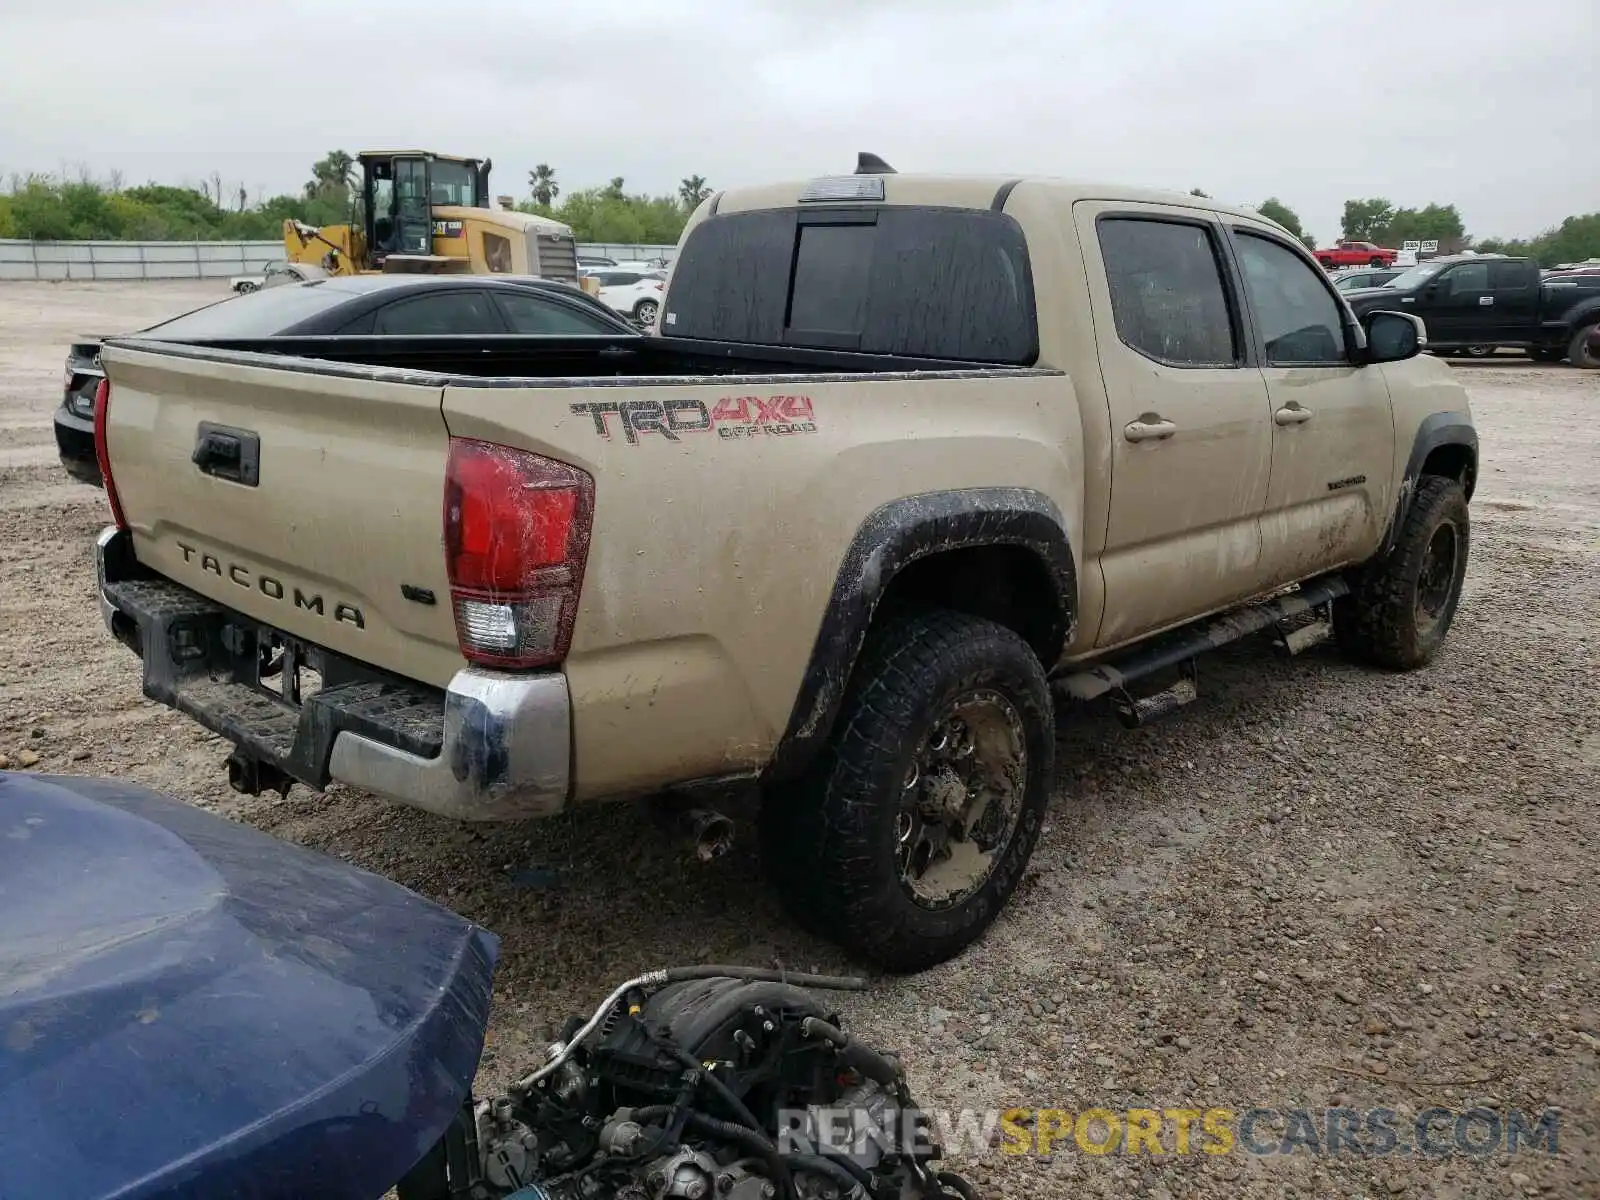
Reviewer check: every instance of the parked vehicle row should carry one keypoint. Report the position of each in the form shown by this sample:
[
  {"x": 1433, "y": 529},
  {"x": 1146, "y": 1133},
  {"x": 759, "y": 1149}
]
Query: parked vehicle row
[
  {"x": 910, "y": 461},
  {"x": 1474, "y": 303},
  {"x": 1358, "y": 277}
]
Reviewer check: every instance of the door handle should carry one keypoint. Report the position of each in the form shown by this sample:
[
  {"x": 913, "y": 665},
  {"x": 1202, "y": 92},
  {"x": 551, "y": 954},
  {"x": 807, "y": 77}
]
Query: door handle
[
  {"x": 1150, "y": 427},
  {"x": 1293, "y": 414}
]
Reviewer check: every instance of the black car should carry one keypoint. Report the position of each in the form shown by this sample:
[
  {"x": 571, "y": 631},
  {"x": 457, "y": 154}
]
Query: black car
[{"x": 370, "y": 305}]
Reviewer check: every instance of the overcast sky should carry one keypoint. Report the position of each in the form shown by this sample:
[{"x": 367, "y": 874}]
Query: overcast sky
[{"x": 1483, "y": 103}]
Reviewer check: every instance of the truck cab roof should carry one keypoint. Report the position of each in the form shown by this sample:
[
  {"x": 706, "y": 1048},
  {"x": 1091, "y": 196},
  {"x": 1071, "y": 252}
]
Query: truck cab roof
[{"x": 949, "y": 191}]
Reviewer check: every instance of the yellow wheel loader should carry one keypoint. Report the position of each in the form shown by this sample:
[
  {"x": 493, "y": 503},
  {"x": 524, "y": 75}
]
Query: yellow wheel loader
[{"x": 431, "y": 213}]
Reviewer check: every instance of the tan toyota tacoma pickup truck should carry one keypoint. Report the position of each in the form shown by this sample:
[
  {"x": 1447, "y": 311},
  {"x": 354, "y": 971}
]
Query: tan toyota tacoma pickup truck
[{"x": 909, "y": 463}]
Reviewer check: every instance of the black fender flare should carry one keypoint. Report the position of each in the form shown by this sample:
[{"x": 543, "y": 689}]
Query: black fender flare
[
  {"x": 891, "y": 538},
  {"x": 1435, "y": 431}
]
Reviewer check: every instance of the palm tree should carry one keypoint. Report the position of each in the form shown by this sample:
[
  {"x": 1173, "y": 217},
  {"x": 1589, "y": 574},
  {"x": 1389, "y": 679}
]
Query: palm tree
[
  {"x": 336, "y": 171},
  {"x": 542, "y": 182},
  {"x": 692, "y": 191}
]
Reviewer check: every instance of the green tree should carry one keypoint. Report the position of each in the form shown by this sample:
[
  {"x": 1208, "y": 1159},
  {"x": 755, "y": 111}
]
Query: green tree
[
  {"x": 335, "y": 172},
  {"x": 1366, "y": 220},
  {"x": 543, "y": 186},
  {"x": 1435, "y": 222},
  {"x": 692, "y": 191},
  {"x": 613, "y": 190},
  {"x": 1274, "y": 209}
]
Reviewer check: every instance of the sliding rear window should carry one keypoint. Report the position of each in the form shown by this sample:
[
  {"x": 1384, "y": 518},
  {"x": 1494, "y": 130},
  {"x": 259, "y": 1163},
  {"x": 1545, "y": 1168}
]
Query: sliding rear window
[{"x": 917, "y": 282}]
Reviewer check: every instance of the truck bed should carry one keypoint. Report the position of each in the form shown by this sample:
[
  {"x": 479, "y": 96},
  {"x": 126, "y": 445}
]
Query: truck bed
[{"x": 557, "y": 360}]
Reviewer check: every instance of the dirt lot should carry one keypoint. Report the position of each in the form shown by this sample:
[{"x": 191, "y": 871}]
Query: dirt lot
[{"x": 1316, "y": 886}]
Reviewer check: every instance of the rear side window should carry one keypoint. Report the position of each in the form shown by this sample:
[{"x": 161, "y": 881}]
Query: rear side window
[
  {"x": 1166, "y": 292},
  {"x": 1510, "y": 277},
  {"x": 439, "y": 314},
  {"x": 535, "y": 314},
  {"x": 915, "y": 282}
]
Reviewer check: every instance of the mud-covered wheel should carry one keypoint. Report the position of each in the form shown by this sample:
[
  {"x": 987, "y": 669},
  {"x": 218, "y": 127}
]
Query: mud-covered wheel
[
  {"x": 906, "y": 838},
  {"x": 1401, "y": 604},
  {"x": 1580, "y": 352}
]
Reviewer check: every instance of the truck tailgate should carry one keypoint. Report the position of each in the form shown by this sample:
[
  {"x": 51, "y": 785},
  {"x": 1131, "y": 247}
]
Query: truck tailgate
[{"x": 337, "y": 539}]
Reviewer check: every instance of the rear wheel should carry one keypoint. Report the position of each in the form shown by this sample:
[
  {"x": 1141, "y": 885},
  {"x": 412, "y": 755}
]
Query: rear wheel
[
  {"x": 1374, "y": 261},
  {"x": 1580, "y": 352},
  {"x": 1480, "y": 351},
  {"x": 244, "y": 289},
  {"x": 1401, "y": 604},
  {"x": 905, "y": 840},
  {"x": 645, "y": 311}
]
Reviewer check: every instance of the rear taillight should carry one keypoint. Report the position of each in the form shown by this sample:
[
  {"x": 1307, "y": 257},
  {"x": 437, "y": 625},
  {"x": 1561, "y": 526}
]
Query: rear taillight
[
  {"x": 102, "y": 450},
  {"x": 516, "y": 537}
]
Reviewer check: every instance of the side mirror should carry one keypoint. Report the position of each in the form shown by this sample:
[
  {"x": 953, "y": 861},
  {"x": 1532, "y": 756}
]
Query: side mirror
[{"x": 1393, "y": 336}]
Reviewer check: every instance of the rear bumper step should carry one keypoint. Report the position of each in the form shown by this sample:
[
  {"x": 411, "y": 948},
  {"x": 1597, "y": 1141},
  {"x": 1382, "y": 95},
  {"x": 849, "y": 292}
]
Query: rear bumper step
[{"x": 489, "y": 746}]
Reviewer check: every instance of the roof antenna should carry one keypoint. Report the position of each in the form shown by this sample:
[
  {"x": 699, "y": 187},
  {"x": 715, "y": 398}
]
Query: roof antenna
[{"x": 870, "y": 164}]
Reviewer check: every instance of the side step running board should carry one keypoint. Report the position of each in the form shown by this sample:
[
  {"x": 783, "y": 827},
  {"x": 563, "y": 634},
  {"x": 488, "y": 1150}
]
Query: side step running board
[{"x": 1181, "y": 647}]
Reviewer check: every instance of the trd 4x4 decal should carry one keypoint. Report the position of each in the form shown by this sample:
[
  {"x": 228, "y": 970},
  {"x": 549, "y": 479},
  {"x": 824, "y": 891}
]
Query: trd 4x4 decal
[{"x": 732, "y": 417}]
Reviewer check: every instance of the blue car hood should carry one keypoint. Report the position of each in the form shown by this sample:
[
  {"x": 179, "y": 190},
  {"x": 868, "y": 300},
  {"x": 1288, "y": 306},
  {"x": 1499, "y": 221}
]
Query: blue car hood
[{"x": 190, "y": 1008}]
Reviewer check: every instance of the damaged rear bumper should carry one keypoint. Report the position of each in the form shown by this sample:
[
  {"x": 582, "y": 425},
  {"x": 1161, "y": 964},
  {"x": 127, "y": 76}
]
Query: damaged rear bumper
[{"x": 489, "y": 746}]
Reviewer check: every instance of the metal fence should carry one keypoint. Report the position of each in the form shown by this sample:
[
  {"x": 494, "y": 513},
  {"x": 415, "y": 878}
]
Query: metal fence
[{"x": 187, "y": 260}]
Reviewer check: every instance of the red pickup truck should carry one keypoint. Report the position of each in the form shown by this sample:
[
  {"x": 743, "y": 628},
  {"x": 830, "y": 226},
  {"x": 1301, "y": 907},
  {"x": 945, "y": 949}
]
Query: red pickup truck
[{"x": 1355, "y": 254}]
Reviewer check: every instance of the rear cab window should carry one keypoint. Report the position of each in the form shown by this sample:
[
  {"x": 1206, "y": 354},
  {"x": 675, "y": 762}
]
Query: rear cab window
[{"x": 909, "y": 281}]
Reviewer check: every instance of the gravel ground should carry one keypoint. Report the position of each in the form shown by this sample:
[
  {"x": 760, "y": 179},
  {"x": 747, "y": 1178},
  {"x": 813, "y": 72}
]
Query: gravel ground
[{"x": 1317, "y": 886}]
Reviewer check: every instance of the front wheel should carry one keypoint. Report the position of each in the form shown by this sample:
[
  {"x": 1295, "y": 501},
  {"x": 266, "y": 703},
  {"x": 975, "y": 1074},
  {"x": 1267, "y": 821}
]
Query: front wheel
[
  {"x": 1375, "y": 261},
  {"x": 244, "y": 289},
  {"x": 1480, "y": 351},
  {"x": 645, "y": 311},
  {"x": 1582, "y": 352},
  {"x": 1401, "y": 604},
  {"x": 907, "y": 837}
]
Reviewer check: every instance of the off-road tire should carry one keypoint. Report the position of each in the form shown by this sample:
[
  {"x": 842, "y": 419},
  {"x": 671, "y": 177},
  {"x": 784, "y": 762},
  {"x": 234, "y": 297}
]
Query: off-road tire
[
  {"x": 828, "y": 838},
  {"x": 1379, "y": 621},
  {"x": 1578, "y": 352}
]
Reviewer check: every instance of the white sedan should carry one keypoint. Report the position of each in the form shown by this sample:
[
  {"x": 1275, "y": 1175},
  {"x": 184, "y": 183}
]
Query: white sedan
[
  {"x": 634, "y": 294},
  {"x": 276, "y": 274}
]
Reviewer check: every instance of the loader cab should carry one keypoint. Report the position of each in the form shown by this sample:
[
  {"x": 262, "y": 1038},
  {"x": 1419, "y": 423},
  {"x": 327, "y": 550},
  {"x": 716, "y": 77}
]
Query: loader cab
[{"x": 400, "y": 191}]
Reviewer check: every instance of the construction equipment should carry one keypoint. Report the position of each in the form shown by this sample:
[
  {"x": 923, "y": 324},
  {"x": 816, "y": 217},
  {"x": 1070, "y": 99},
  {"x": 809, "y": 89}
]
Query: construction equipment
[{"x": 431, "y": 213}]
